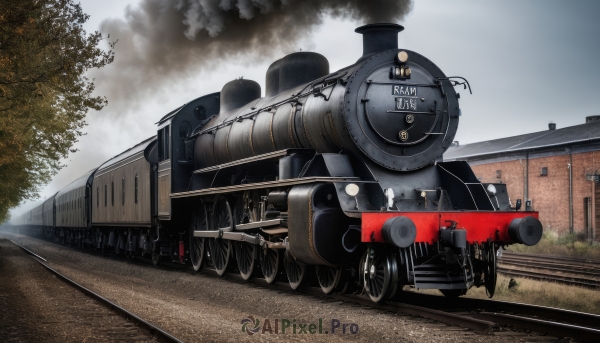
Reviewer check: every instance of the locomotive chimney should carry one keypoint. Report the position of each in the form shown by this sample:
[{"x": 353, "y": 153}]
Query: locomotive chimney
[{"x": 379, "y": 37}]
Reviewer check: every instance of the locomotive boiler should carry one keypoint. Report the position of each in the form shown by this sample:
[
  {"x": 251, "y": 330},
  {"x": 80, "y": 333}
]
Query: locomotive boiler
[{"x": 332, "y": 177}]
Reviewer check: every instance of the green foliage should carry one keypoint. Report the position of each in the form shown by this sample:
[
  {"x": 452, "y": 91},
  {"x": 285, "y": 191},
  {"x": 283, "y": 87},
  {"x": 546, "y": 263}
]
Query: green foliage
[{"x": 44, "y": 95}]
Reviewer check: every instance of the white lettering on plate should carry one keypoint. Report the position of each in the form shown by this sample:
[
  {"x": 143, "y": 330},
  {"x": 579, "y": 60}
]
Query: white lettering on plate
[
  {"x": 404, "y": 90},
  {"x": 406, "y": 104}
]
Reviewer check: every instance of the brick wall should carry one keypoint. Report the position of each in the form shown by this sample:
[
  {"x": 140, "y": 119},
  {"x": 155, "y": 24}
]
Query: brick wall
[{"x": 549, "y": 194}]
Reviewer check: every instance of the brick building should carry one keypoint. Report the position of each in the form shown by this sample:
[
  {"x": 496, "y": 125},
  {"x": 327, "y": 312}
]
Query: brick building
[{"x": 557, "y": 170}]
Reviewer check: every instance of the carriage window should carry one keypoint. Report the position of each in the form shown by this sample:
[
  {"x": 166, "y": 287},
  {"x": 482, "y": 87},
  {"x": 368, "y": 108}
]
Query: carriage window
[
  {"x": 167, "y": 142},
  {"x": 163, "y": 144},
  {"x": 97, "y": 196},
  {"x": 112, "y": 193},
  {"x": 105, "y": 195},
  {"x": 160, "y": 145},
  {"x": 136, "y": 188},
  {"x": 123, "y": 191}
]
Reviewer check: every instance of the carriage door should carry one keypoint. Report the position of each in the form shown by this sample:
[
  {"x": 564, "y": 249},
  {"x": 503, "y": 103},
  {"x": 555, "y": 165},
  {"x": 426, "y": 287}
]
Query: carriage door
[{"x": 164, "y": 172}]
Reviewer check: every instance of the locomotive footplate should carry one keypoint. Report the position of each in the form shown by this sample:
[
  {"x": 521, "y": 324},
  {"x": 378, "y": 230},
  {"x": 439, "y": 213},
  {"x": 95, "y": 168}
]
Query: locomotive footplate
[
  {"x": 450, "y": 251},
  {"x": 503, "y": 227}
]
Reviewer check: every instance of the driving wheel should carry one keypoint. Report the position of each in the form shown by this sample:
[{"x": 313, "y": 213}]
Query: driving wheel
[{"x": 220, "y": 249}]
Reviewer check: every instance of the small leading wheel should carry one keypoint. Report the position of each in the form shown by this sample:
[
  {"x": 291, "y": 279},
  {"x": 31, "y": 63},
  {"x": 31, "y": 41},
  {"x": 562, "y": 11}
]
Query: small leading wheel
[
  {"x": 246, "y": 257},
  {"x": 380, "y": 274},
  {"x": 220, "y": 249},
  {"x": 328, "y": 277},
  {"x": 295, "y": 272},
  {"x": 269, "y": 263},
  {"x": 197, "y": 244},
  {"x": 490, "y": 269}
]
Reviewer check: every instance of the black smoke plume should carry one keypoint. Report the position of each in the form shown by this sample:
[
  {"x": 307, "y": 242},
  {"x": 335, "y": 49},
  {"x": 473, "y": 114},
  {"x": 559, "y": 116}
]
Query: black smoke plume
[{"x": 161, "y": 39}]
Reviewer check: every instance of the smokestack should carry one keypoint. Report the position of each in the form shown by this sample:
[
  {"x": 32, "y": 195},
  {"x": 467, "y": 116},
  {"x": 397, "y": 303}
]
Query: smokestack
[
  {"x": 379, "y": 37},
  {"x": 551, "y": 126}
]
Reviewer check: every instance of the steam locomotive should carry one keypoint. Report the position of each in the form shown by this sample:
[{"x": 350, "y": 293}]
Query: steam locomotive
[{"x": 334, "y": 177}]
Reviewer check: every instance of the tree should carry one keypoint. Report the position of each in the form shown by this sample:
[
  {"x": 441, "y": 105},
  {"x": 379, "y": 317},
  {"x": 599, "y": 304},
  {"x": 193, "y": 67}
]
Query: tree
[{"x": 44, "y": 94}]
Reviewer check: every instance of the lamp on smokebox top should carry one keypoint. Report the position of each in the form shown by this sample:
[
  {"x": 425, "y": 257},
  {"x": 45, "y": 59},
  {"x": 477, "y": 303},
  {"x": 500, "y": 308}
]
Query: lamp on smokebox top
[{"x": 402, "y": 71}]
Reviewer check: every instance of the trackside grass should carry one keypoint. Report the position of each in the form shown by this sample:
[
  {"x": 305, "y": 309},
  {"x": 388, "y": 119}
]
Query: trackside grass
[{"x": 538, "y": 293}]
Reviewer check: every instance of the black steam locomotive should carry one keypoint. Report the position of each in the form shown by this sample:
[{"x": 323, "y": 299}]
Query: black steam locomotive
[{"x": 337, "y": 177}]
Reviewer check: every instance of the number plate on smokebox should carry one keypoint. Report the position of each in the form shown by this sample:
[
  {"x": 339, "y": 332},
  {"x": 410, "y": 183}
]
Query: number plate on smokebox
[{"x": 407, "y": 101}]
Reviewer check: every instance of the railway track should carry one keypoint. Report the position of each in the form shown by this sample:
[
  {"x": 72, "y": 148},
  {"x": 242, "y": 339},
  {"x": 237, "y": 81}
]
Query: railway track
[
  {"x": 484, "y": 316},
  {"x": 571, "y": 271},
  {"x": 153, "y": 330}
]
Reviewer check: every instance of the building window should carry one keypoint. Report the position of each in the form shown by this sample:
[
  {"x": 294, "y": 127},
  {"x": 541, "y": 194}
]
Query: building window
[
  {"x": 136, "y": 188},
  {"x": 123, "y": 191},
  {"x": 105, "y": 195},
  {"x": 544, "y": 171},
  {"x": 112, "y": 193},
  {"x": 498, "y": 174}
]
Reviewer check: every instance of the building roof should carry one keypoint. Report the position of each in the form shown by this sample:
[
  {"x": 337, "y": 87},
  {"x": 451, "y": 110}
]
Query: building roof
[{"x": 572, "y": 135}]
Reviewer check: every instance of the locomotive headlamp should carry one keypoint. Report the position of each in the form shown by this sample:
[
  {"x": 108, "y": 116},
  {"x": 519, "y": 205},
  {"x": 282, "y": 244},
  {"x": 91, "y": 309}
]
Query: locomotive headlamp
[
  {"x": 402, "y": 56},
  {"x": 351, "y": 189},
  {"x": 491, "y": 189}
]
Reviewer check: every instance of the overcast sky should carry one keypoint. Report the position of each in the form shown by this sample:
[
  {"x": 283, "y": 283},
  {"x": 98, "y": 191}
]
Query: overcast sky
[{"x": 528, "y": 62}]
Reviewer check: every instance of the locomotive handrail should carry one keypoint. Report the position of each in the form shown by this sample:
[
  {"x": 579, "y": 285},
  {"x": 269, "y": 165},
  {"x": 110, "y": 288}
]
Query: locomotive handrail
[
  {"x": 269, "y": 155},
  {"x": 256, "y": 185}
]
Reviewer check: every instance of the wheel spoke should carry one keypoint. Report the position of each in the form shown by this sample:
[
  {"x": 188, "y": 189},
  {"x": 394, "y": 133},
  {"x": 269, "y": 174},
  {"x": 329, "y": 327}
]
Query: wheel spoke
[{"x": 381, "y": 278}]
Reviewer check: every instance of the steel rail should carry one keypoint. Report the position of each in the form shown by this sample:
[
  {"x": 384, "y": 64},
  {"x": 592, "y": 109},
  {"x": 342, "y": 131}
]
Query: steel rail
[
  {"x": 573, "y": 281},
  {"x": 564, "y": 268},
  {"x": 560, "y": 322},
  {"x": 544, "y": 326},
  {"x": 571, "y": 265},
  {"x": 468, "y": 322},
  {"x": 551, "y": 258},
  {"x": 151, "y": 328},
  {"x": 579, "y": 325},
  {"x": 550, "y": 313}
]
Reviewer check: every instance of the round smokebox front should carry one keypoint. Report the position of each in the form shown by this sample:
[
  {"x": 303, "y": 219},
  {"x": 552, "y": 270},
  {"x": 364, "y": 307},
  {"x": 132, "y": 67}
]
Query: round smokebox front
[{"x": 400, "y": 110}]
